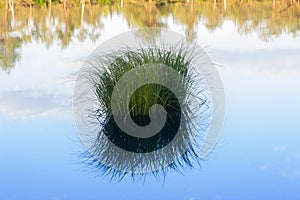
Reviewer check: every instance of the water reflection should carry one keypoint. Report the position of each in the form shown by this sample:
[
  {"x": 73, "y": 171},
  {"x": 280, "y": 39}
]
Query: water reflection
[{"x": 64, "y": 25}]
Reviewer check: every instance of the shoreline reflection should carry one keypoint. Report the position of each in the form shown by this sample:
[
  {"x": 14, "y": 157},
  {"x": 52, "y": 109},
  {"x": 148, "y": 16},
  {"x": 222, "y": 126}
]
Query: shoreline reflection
[{"x": 62, "y": 26}]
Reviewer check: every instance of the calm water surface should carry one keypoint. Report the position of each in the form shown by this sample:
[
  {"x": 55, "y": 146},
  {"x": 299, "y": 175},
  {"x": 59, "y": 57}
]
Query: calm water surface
[{"x": 256, "y": 47}]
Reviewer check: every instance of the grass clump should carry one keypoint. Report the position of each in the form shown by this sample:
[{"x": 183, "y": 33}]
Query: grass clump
[
  {"x": 104, "y": 74},
  {"x": 148, "y": 95}
]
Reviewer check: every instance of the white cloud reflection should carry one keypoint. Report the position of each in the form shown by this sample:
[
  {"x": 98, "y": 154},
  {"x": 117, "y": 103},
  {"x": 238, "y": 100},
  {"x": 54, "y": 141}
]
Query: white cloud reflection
[
  {"x": 264, "y": 167},
  {"x": 28, "y": 103}
]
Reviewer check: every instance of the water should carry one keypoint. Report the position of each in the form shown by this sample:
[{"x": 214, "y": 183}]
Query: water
[{"x": 257, "y": 51}]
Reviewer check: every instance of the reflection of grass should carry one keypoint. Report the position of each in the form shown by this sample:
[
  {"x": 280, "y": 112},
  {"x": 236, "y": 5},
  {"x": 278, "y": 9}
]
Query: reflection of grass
[{"x": 103, "y": 77}]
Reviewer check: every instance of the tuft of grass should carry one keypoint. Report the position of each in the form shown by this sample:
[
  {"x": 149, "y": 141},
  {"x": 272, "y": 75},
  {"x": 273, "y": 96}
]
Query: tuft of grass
[
  {"x": 103, "y": 76},
  {"x": 144, "y": 97}
]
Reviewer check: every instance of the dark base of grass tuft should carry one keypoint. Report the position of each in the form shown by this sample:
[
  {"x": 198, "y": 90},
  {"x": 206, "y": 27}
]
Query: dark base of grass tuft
[{"x": 144, "y": 145}]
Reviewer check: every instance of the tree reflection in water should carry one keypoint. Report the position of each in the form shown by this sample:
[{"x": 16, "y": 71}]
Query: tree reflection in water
[{"x": 63, "y": 25}]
